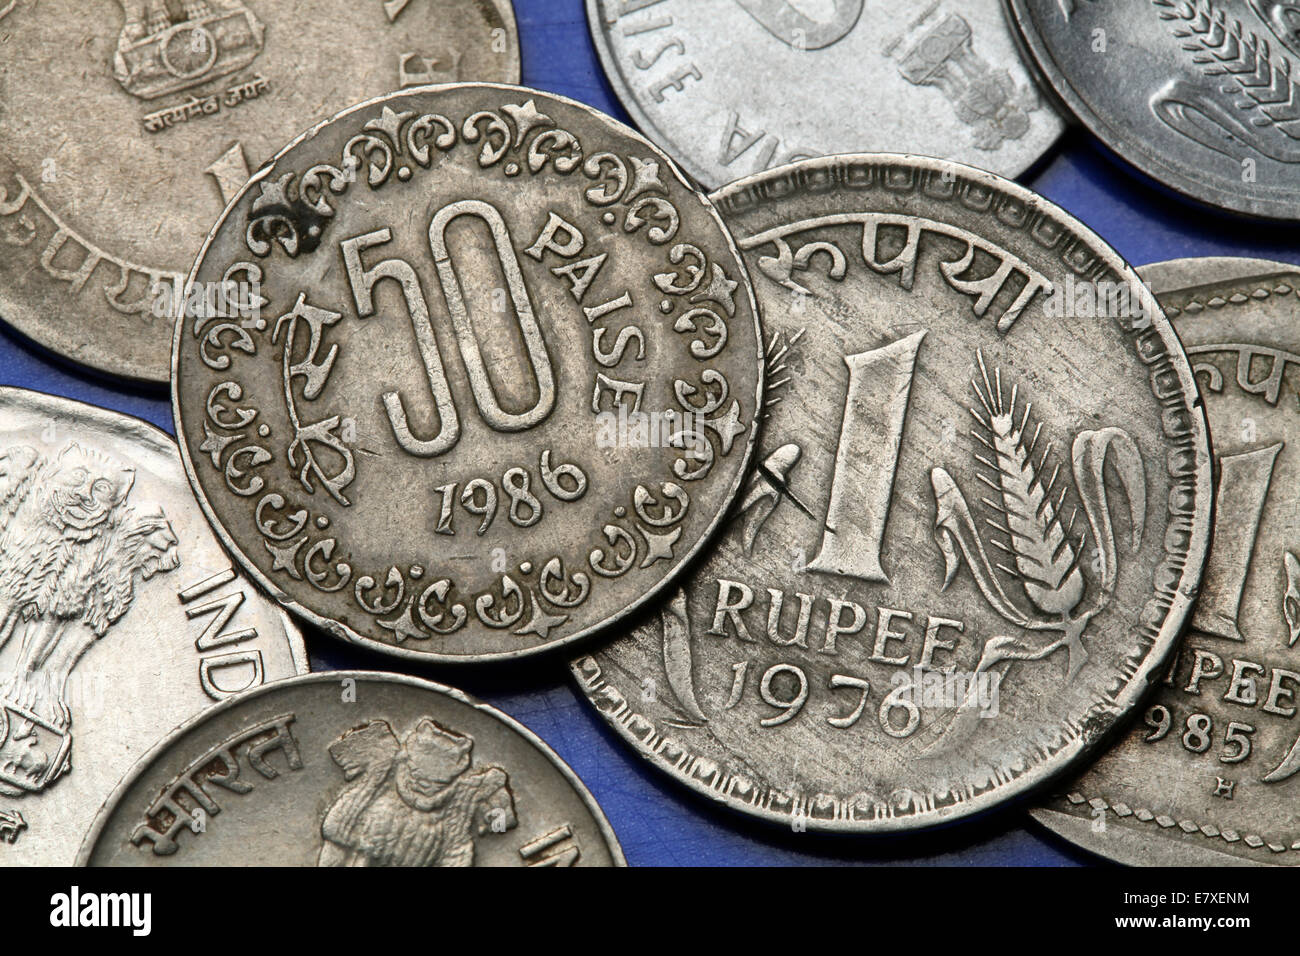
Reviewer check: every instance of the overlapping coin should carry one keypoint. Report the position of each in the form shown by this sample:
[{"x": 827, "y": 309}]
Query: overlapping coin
[
  {"x": 126, "y": 127},
  {"x": 468, "y": 372},
  {"x": 1201, "y": 95},
  {"x": 733, "y": 87},
  {"x": 979, "y": 515},
  {"x": 352, "y": 769},
  {"x": 1208, "y": 775},
  {"x": 120, "y": 615}
]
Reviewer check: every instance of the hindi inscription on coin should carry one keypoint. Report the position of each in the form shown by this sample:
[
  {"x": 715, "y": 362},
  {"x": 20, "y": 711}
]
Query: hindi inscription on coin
[
  {"x": 352, "y": 769},
  {"x": 120, "y": 615},
  {"x": 1209, "y": 773},
  {"x": 734, "y": 87},
  {"x": 126, "y": 126},
  {"x": 1201, "y": 95},
  {"x": 498, "y": 383},
  {"x": 977, "y": 520}
]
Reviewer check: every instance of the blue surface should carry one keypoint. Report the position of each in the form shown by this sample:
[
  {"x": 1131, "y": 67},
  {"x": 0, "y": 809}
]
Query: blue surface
[{"x": 658, "y": 822}]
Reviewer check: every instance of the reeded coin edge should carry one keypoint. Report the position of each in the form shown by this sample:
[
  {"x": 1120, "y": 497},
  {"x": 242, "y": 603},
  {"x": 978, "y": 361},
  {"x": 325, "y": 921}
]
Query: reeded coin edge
[
  {"x": 342, "y": 631},
  {"x": 329, "y": 677},
  {"x": 1043, "y": 220}
]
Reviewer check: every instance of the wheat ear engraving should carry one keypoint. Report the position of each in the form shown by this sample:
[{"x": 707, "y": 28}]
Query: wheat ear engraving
[
  {"x": 1268, "y": 91},
  {"x": 1041, "y": 556}
]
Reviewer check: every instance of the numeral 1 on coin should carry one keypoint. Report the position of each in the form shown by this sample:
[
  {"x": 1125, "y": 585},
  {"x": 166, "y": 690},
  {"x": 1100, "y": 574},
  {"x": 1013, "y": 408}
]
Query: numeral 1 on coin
[
  {"x": 1243, "y": 485},
  {"x": 867, "y": 461}
]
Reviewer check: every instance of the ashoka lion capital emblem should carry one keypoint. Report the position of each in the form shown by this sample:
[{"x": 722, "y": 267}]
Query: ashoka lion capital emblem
[
  {"x": 987, "y": 99},
  {"x": 71, "y": 555},
  {"x": 1039, "y": 549},
  {"x": 170, "y": 45},
  {"x": 417, "y": 801}
]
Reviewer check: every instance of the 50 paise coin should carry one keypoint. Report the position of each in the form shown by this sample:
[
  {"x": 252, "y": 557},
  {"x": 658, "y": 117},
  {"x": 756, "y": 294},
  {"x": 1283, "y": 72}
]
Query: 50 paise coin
[{"x": 468, "y": 372}]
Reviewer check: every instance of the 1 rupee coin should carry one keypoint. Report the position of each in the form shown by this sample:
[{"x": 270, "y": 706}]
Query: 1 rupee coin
[
  {"x": 1208, "y": 776},
  {"x": 979, "y": 513}
]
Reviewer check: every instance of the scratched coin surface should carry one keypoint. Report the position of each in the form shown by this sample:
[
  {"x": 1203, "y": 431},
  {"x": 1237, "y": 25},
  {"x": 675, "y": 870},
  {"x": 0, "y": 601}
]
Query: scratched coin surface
[
  {"x": 126, "y": 126},
  {"x": 733, "y": 87},
  {"x": 1201, "y": 95},
  {"x": 978, "y": 516},
  {"x": 352, "y": 769},
  {"x": 1208, "y": 773},
  {"x": 120, "y": 615},
  {"x": 487, "y": 378}
]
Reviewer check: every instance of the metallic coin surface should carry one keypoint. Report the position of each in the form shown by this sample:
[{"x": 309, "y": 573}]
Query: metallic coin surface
[
  {"x": 352, "y": 769},
  {"x": 1208, "y": 774},
  {"x": 120, "y": 615},
  {"x": 126, "y": 126},
  {"x": 733, "y": 87},
  {"x": 1201, "y": 95},
  {"x": 499, "y": 381},
  {"x": 978, "y": 516}
]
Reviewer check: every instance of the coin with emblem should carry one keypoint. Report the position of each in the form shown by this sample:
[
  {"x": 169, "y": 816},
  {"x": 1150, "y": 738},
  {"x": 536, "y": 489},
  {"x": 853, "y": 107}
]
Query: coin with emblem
[
  {"x": 352, "y": 769},
  {"x": 979, "y": 513},
  {"x": 125, "y": 130},
  {"x": 120, "y": 615},
  {"x": 1200, "y": 95},
  {"x": 1207, "y": 775},
  {"x": 733, "y": 87},
  {"x": 486, "y": 378}
]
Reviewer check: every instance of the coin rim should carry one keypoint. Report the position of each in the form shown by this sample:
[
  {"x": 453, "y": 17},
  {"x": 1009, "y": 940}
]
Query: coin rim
[
  {"x": 1131, "y": 151},
  {"x": 1138, "y": 848},
  {"x": 1077, "y": 750},
  {"x": 145, "y": 763},
  {"x": 342, "y": 631},
  {"x": 628, "y": 100},
  {"x": 112, "y": 366}
]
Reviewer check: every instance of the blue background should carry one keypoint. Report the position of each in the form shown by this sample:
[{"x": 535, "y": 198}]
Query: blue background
[{"x": 658, "y": 822}]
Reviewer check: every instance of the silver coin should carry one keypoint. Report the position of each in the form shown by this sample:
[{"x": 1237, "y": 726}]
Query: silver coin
[
  {"x": 733, "y": 87},
  {"x": 1209, "y": 774},
  {"x": 1201, "y": 95},
  {"x": 126, "y": 127},
  {"x": 497, "y": 385},
  {"x": 975, "y": 527},
  {"x": 352, "y": 769},
  {"x": 120, "y": 615}
]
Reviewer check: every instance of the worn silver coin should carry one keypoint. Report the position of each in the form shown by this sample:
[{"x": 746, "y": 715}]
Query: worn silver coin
[
  {"x": 497, "y": 382},
  {"x": 120, "y": 615},
  {"x": 977, "y": 522},
  {"x": 1208, "y": 775},
  {"x": 1201, "y": 95},
  {"x": 352, "y": 769},
  {"x": 126, "y": 126},
  {"x": 733, "y": 87}
]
